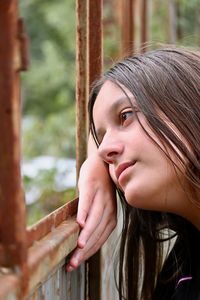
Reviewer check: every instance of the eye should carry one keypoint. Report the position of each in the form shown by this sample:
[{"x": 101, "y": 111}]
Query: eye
[{"x": 125, "y": 116}]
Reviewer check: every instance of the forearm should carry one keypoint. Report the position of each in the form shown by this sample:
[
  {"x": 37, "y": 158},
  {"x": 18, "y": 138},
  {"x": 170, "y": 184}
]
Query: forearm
[{"x": 97, "y": 206}]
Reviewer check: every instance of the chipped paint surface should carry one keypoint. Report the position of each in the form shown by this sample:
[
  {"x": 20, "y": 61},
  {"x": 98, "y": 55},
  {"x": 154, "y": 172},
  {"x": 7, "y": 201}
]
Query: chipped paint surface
[
  {"x": 51, "y": 221},
  {"x": 12, "y": 229},
  {"x": 61, "y": 285},
  {"x": 81, "y": 83},
  {"x": 45, "y": 256},
  {"x": 47, "y": 253},
  {"x": 127, "y": 23},
  {"x": 95, "y": 51},
  {"x": 95, "y": 62}
]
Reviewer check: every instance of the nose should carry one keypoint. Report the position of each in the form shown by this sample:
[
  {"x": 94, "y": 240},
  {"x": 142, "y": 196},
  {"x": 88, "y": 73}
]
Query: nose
[{"x": 110, "y": 148}]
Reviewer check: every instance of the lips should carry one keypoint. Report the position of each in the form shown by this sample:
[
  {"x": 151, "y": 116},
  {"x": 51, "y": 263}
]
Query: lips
[{"x": 122, "y": 167}]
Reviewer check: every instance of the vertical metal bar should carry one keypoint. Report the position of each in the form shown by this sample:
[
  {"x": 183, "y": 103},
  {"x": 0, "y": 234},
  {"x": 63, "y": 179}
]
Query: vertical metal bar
[
  {"x": 12, "y": 204},
  {"x": 179, "y": 27},
  {"x": 81, "y": 82},
  {"x": 12, "y": 226},
  {"x": 172, "y": 19},
  {"x": 198, "y": 25},
  {"x": 144, "y": 24},
  {"x": 95, "y": 68},
  {"x": 95, "y": 56},
  {"x": 81, "y": 99},
  {"x": 127, "y": 27}
]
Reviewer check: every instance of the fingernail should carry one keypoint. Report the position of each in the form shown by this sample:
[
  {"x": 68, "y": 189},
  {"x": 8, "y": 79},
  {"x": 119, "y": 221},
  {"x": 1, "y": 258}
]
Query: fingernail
[
  {"x": 81, "y": 222},
  {"x": 69, "y": 269},
  {"x": 81, "y": 243},
  {"x": 74, "y": 262}
]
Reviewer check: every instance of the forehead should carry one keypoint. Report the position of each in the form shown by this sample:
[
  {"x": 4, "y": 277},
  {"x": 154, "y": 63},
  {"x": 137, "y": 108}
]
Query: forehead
[{"x": 110, "y": 96}]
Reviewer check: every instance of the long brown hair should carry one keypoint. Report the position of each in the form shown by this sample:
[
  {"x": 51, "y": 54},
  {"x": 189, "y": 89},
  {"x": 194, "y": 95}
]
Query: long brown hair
[{"x": 167, "y": 81}]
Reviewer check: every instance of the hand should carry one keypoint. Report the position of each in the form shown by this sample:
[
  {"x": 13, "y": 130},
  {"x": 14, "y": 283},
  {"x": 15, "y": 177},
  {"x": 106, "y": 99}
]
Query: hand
[{"x": 97, "y": 209}]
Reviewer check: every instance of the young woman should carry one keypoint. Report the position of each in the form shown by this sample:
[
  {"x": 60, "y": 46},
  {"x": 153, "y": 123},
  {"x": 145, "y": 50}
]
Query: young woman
[{"x": 145, "y": 121}]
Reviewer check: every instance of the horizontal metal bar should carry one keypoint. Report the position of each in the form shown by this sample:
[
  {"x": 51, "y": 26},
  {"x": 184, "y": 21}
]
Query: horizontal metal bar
[
  {"x": 48, "y": 223},
  {"x": 47, "y": 253},
  {"x": 45, "y": 225},
  {"x": 43, "y": 257}
]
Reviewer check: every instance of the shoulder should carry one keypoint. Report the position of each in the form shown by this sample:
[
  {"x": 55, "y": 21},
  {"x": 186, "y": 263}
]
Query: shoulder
[
  {"x": 188, "y": 288},
  {"x": 185, "y": 288},
  {"x": 188, "y": 283},
  {"x": 180, "y": 276}
]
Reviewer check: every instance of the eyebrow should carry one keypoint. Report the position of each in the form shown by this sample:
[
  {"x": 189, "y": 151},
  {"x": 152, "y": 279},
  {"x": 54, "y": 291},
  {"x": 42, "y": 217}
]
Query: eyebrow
[{"x": 120, "y": 101}]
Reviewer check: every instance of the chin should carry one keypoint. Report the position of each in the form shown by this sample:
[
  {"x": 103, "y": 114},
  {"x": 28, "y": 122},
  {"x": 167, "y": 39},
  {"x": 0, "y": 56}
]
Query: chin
[
  {"x": 134, "y": 200},
  {"x": 142, "y": 202}
]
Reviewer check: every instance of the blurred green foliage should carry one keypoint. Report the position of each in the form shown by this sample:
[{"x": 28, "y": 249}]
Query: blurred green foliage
[
  {"x": 48, "y": 88},
  {"x": 187, "y": 22},
  {"x": 48, "y": 95},
  {"x": 48, "y": 202}
]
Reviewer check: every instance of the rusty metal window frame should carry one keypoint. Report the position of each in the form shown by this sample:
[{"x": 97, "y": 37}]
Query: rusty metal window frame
[{"x": 24, "y": 252}]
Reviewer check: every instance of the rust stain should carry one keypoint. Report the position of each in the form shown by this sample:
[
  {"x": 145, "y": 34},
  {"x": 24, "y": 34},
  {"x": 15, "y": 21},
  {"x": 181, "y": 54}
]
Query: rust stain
[
  {"x": 43, "y": 257},
  {"x": 23, "y": 46},
  {"x": 127, "y": 26},
  {"x": 48, "y": 223},
  {"x": 95, "y": 69},
  {"x": 143, "y": 24},
  {"x": 95, "y": 40},
  {"x": 45, "y": 254},
  {"x": 81, "y": 83},
  {"x": 12, "y": 228}
]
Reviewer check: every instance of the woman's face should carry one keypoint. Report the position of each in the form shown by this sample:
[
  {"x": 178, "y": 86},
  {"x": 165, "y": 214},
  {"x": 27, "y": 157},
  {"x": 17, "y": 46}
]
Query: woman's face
[{"x": 136, "y": 164}]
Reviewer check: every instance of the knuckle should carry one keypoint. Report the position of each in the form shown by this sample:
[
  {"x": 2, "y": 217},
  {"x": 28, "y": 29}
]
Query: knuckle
[
  {"x": 87, "y": 232},
  {"x": 98, "y": 237},
  {"x": 112, "y": 213},
  {"x": 113, "y": 224},
  {"x": 96, "y": 247}
]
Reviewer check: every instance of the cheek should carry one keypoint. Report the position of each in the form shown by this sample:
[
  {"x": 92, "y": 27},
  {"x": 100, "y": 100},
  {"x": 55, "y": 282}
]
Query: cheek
[{"x": 112, "y": 173}]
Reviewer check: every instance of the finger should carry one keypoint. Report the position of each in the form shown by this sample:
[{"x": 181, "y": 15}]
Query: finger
[
  {"x": 81, "y": 255},
  {"x": 99, "y": 242},
  {"x": 94, "y": 218},
  {"x": 99, "y": 208},
  {"x": 96, "y": 240},
  {"x": 85, "y": 201},
  {"x": 102, "y": 232},
  {"x": 73, "y": 262}
]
